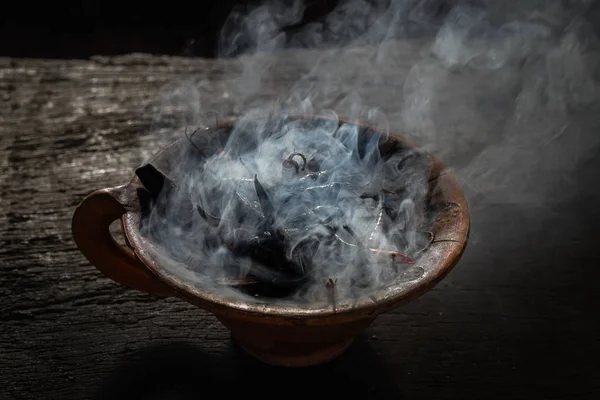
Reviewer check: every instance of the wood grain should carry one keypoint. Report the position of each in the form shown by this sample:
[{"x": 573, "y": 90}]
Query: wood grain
[{"x": 514, "y": 319}]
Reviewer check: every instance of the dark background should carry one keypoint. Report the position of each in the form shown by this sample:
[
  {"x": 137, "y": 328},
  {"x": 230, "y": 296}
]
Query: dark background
[{"x": 80, "y": 29}]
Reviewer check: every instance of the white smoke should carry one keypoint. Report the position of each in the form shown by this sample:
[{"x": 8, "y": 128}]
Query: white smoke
[{"x": 505, "y": 93}]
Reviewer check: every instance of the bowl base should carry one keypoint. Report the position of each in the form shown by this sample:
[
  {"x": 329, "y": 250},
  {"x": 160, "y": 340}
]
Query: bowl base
[{"x": 303, "y": 357}]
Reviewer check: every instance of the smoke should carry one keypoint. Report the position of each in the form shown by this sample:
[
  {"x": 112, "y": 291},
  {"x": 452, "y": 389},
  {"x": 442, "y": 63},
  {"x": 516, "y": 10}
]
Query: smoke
[
  {"x": 505, "y": 93},
  {"x": 279, "y": 198}
]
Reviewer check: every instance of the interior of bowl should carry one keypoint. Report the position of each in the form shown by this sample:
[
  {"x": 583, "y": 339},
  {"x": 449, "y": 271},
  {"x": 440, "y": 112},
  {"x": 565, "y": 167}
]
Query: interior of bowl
[{"x": 450, "y": 231}]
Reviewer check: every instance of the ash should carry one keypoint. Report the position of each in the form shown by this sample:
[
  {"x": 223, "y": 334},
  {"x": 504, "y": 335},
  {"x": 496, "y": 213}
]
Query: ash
[{"x": 291, "y": 208}]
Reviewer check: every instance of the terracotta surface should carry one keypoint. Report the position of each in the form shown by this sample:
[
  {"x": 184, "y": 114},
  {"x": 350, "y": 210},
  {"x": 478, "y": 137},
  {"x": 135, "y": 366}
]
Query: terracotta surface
[{"x": 283, "y": 334}]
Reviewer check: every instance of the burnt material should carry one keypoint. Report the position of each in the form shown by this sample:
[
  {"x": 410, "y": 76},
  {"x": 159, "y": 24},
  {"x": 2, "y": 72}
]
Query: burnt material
[
  {"x": 280, "y": 265},
  {"x": 152, "y": 179},
  {"x": 272, "y": 273}
]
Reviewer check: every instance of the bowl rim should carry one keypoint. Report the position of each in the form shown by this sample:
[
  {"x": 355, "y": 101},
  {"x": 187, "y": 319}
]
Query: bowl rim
[{"x": 446, "y": 255}]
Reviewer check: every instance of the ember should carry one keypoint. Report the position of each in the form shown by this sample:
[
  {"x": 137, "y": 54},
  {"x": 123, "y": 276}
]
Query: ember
[{"x": 287, "y": 207}]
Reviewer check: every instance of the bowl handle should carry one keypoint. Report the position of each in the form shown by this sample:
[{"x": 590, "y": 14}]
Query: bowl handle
[{"x": 90, "y": 226}]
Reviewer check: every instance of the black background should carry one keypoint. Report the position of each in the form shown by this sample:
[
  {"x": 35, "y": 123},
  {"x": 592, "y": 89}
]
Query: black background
[{"x": 80, "y": 29}]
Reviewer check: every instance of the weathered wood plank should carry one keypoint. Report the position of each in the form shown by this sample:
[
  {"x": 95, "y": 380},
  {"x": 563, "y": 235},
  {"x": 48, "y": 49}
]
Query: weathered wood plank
[{"x": 512, "y": 321}]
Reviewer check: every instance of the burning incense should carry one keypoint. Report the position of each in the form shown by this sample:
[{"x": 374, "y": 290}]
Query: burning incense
[{"x": 345, "y": 214}]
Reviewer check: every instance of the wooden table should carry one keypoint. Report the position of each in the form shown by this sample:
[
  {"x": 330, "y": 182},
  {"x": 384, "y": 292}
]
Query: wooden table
[{"x": 515, "y": 319}]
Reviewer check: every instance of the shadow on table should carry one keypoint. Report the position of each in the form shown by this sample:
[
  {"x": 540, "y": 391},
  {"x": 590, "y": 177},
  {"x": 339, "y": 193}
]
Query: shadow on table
[{"x": 181, "y": 371}]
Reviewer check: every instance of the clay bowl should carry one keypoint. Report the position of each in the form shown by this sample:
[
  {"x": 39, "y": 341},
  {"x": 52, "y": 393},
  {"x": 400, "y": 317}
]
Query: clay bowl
[{"x": 282, "y": 334}]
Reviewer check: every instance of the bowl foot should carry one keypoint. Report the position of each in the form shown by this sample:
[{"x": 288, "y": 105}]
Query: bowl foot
[{"x": 294, "y": 356}]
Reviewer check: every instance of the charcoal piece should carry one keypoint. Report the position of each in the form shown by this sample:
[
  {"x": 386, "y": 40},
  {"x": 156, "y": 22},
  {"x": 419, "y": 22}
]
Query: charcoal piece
[
  {"x": 158, "y": 184},
  {"x": 212, "y": 220},
  {"x": 391, "y": 211},
  {"x": 388, "y": 148},
  {"x": 268, "y": 211},
  {"x": 146, "y": 200},
  {"x": 313, "y": 165},
  {"x": 302, "y": 256},
  {"x": 276, "y": 278},
  {"x": 361, "y": 277},
  {"x": 271, "y": 268},
  {"x": 265, "y": 250},
  {"x": 264, "y": 200},
  {"x": 203, "y": 141},
  {"x": 266, "y": 284},
  {"x": 207, "y": 141},
  {"x": 201, "y": 212},
  {"x": 372, "y": 196},
  {"x": 272, "y": 290},
  {"x": 246, "y": 207},
  {"x": 153, "y": 180}
]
